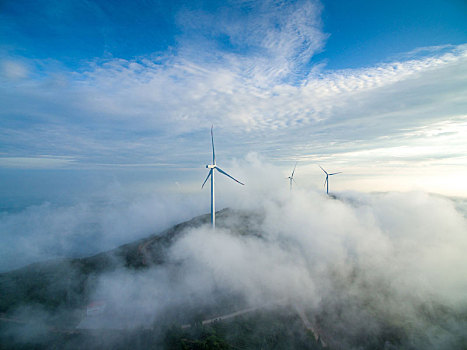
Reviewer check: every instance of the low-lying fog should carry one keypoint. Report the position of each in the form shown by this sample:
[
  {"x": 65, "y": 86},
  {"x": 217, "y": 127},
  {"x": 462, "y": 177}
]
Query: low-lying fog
[{"x": 361, "y": 261}]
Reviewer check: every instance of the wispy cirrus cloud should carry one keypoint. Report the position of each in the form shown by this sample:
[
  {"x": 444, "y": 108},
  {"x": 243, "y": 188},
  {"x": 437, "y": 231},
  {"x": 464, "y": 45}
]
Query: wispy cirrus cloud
[
  {"x": 40, "y": 162},
  {"x": 250, "y": 72},
  {"x": 182, "y": 96}
]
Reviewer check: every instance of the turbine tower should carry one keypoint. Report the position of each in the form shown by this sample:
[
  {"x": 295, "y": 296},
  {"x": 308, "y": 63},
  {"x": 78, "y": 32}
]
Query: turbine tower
[
  {"x": 326, "y": 182},
  {"x": 211, "y": 168},
  {"x": 291, "y": 179}
]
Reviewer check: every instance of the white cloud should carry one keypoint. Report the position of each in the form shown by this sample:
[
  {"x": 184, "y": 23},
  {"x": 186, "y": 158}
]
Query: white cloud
[
  {"x": 376, "y": 258},
  {"x": 184, "y": 94},
  {"x": 13, "y": 69},
  {"x": 91, "y": 223},
  {"x": 156, "y": 108},
  {"x": 43, "y": 162}
]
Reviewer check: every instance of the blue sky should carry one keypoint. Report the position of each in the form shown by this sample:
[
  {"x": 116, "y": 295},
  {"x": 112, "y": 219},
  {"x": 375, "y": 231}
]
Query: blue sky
[
  {"x": 98, "y": 92},
  {"x": 361, "y": 32},
  {"x": 364, "y": 33}
]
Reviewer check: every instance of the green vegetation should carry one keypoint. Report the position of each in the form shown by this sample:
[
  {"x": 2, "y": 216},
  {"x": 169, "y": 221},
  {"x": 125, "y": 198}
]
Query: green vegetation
[{"x": 275, "y": 330}]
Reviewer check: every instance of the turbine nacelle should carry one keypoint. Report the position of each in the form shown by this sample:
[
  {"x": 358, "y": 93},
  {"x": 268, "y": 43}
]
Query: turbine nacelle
[{"x": 211, "y": 166}]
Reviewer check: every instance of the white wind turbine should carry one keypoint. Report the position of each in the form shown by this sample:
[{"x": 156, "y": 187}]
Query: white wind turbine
[
  {"x": 291, "y": 179},
  {"x": 213, "y": 167},
  {"x": 326, "y": 182}
]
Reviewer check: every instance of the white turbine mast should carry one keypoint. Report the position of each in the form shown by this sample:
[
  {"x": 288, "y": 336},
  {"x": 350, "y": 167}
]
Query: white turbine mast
[
  {"x": 291, "y": 179},
  {"x": 211, "y": 168},
  {"x": 326, "y": 182}
]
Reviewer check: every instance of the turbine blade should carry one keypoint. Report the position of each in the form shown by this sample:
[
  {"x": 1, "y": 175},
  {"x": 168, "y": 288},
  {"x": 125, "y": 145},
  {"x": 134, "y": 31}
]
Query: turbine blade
[
  {"x": 293, "y": 172},
  {"x": 209, "y": 174},
  {"x": 223, "y": 172},
  {"x": 340, "y": 172},
  {"x": 323, "y": 169},
  {"x": 294, "y": 180},
  {"x": 212, "y": 141}
]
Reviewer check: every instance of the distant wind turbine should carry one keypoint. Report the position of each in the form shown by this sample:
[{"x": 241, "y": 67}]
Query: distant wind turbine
[
  {"x": 213, "y": 167},
  {"x": 291, "y": 179},
  {"x": 326, "y": 182}
]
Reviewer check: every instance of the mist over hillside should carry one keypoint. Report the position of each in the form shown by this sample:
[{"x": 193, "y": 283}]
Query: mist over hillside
[
  {"x": 87, "y": 226},
  {"x": 367, "y": 271}
]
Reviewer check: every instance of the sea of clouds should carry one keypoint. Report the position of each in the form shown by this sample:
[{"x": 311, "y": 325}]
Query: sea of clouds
[
  {"x": 359, "y": 263},
  {"x": 356, "y": 264}
]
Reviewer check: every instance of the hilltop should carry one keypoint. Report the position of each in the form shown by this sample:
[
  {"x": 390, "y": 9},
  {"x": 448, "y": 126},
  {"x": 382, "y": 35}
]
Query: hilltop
[
  {"x": 67, "y": 282},
  {"x": 43, "y": 305}
]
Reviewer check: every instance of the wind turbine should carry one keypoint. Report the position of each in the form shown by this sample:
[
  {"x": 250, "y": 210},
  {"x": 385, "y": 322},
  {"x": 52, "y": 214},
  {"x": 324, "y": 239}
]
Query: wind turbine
[
  {"x": 291, "y": 179},
  {"x": 213, "y": 167},
  {"x": 326, "y": 182}
]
